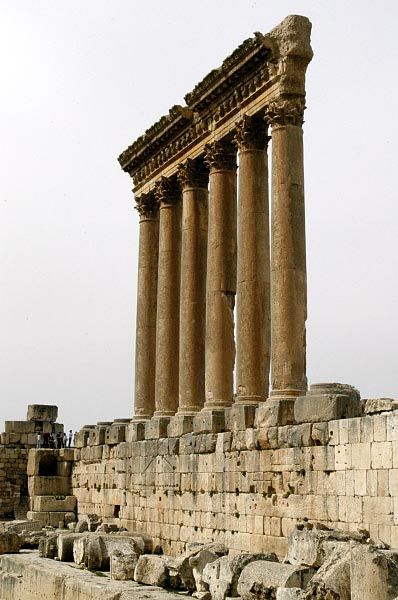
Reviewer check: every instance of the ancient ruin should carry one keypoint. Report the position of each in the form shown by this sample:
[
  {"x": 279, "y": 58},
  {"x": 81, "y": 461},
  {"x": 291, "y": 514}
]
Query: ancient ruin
[{"x": 219, "y": 484}]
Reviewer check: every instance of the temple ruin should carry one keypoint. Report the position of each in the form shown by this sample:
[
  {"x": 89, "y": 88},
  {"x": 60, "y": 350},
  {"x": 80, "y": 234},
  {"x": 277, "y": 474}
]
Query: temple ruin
[{"x": 230, "y": 478}]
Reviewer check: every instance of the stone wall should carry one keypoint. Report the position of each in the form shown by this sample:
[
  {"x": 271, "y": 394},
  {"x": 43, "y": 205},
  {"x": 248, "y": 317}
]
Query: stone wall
[
  {"x": 16, "y": 440},
  {"x": 247, "y": 488}
]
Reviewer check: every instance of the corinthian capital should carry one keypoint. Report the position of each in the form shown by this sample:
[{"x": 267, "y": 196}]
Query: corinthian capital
[
  {"x": 193, "y": 173},
  {"x": 147, "y": 206},
  {"x": 221, "y": 155},
  {"x": 251, "y": 134},
  {"x": 286, "y": 111},
  {"x": 167, "y": 190}
]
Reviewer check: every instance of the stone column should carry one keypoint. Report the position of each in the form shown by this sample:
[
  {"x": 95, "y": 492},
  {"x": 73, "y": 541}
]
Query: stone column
[
  {"x": 288, "y": 255},
  {"x": 193, "y": 178},
  {"x": 168, "y": 304},
  {"x": 253, "y": 327},
  {"x": 145, "y": 341},
  {"x": 221, "y": 276}
]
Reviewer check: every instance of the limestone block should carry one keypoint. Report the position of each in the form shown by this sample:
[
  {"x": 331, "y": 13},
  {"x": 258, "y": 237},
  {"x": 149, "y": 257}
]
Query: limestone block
[
  {"x": 81, "y": 527},
  {"x": 180, "y": 425},
  {"x": 240, "y": 417},
  {"x": 275, "y": 412},
  {"x": 19, "y": 427},
  {"x": 222, "y": 575},
  {"x": 49, "y": 486},
  {"x": 123, "y": 565},
  {"x": 151, "y": 570},
  {"x": 48, "y": 546},
  {"x": 10, "y": 542},
  {"x": 97, "y": 435},
  {"x": 135, "y": 432},
  {"x": 333, "y": 578},
  {"x": 156, "y": 428},
  {"x": 42, "y": 517},
  {"x": 374, "y": 573},
  {"x": 95, "y": 550},
  {"x": 64, "y": 468},
  {"x": 54, "y": 503},
  {"x": 42, "y": 412},
  {"x": 312, "y": 409},
  {"x": 290, "y": 594},
  {"x": 378, "y": 405},
  {"x": 262, "y": 577},
  {"x": 209, "y": 421},
  {"x": 65, "y": 546},
  {"x": 198, "y": 563},
  {"x": 311, "y": 547}
]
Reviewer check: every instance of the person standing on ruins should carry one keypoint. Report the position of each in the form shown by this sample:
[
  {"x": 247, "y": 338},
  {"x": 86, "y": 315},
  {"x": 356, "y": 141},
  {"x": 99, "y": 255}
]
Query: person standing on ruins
[{"x": 70, "y": 438}]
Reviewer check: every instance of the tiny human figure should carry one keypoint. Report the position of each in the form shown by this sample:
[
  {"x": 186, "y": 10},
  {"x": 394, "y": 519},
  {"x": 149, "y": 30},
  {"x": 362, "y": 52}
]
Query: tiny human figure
[
  {"x": 70, "y": 438},
  {"x": 46, "y": 440},
  {"x": 39, "y": 441},
  {"x": 52, "y": 440},
  {"x": 58, "y": 440}
]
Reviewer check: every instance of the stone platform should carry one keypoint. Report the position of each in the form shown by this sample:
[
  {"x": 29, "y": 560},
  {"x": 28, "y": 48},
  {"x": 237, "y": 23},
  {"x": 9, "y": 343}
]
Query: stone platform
[{"x": 25, "y": 576}]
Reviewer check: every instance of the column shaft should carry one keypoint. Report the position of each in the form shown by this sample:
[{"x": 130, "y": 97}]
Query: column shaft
[
  {"x": 253, "y": 327},
  {"x": 194, "y": 179},
  {"x": 221, "y": 276},
  {"x": 288, "y": 255},
  {"x": 145, "y": 343},
  {"x": 167, "y": 322}
]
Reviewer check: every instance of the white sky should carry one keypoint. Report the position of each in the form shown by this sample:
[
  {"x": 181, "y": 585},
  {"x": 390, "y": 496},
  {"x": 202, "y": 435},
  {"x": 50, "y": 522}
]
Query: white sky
[{"x": 80, "y": 80}]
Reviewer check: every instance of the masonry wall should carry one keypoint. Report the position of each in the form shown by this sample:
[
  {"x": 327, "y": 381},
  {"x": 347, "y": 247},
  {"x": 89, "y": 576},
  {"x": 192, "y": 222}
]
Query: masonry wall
[{"x": 247, "y": 488}]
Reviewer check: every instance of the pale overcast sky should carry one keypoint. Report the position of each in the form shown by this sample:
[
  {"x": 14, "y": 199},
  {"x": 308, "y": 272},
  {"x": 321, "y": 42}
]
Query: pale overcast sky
[{"x": 80, "y": 80}]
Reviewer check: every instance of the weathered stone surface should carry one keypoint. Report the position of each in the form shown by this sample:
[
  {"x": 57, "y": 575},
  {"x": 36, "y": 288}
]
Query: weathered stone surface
[
  {"x": 378, "y": 405},
  {"x": 123, "y": 565},
  {"x": 262, "y": 577},
  {"x": 198, "y": 563},
  {"x": 94, "y": 550},
  {"x": 49, "y": 486},
  {"x": 65, "y": 543},
  {"x": 48, "y": 546},
  {"x": 289, "y": 594},
  {"x": 10, "y": 542},
  {"x": 151, "y": 570},
  {"x": 311, "y": 547},
  {"x": 42, "y": 412},
  {"x": 332, "y": 581},
  {"x": 327, "y": 407},
  {"x": 54, "y": 504},
  {"x": 374, "y": 573},
  {"x": 222, "y": 575},
  {"x": 81, "y": 527}
]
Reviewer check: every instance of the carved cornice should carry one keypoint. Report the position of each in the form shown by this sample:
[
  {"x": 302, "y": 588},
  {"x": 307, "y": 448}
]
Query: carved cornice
[
  {"x": 286, "y": 111},
  {"x": 167, "y": 191},
  {"x": 147, "y": 206},
  {"x": 251, "y": 134},
  {"x": 220, "y": 155},
  {"x": 193, "y": 173},
  {"x": 264, "y": 66}
]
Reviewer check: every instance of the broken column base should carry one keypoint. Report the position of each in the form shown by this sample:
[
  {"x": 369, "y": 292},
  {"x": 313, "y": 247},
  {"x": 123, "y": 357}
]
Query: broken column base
[{"x": 328, "y": 402}]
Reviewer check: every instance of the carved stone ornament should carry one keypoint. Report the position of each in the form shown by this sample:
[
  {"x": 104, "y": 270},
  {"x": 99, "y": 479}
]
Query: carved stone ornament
[
  {"x": 167, "y": 190},
  {"x": 286, "y": 111},
  {"x": 251, "y": 134},
  {"x": 221, "y": 155},
  {"x": 147, "y": 206},
  {"x": 193, "y": 173}
]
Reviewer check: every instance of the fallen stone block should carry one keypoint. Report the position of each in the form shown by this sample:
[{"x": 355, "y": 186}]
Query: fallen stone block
[
  {"x": 123, "y": 565},
  {"x": 378, "y": 405},
  {"x": 81, "y": 527},
  {"x": 65, "y": 546},
  {"x": 261, "y": 579},
  {"x": 290, "y": 594},
  {"x": 10, "y": 542},
  {"x": 332, "y": 581},
  {"x": 222, "y": 575},
  {"x": 374, "y": 573},
  {"x": 93, "y": 522},
  {"x": 151, "y": 570},
  {"x": 94, "y": 551},
  {"x": 311, "y": 547},
  {"x": 48, "y": 546},
  {"x": 198, "y": 563}
]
